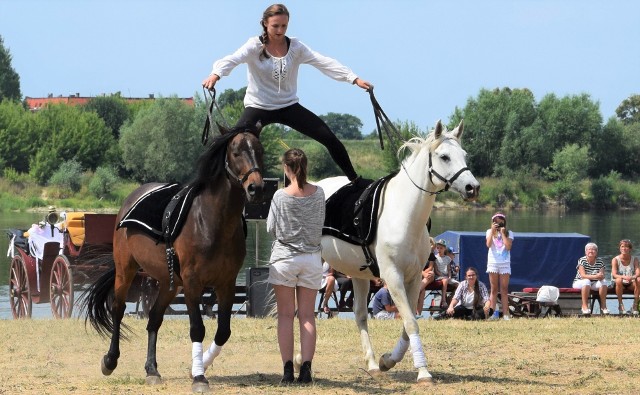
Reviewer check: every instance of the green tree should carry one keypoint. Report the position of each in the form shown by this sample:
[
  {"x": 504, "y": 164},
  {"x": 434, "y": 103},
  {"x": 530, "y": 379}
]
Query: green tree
[
  {"x": 629, "y": 110},
  {"x": 608, "y": 151},
  {"x": 68, "y": 132},
  {"x": 321, "y": 165},
  {"x": 68, "y": 176},
  {"x": 17, "y": 133},
  {"x": 113, "y": 110},
  {"x": 9, "y": 79},
  {"x": 345, "y": 126},
  {"x": 162, "y": 142}
]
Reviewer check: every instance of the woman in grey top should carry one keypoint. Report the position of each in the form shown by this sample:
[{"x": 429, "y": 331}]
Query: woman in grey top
[{"x": 295, "y": 219}]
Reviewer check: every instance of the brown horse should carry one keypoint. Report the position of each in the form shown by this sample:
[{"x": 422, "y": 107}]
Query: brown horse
[{"x": 210, "y": 250}]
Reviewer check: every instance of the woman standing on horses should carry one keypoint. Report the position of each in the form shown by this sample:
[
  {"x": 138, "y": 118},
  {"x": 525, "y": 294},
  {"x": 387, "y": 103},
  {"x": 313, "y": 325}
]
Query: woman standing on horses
[
  {"x": 295, "y": 219},
  {"x": 273, "y": 60},
  {"x": 499, "y": 241}
]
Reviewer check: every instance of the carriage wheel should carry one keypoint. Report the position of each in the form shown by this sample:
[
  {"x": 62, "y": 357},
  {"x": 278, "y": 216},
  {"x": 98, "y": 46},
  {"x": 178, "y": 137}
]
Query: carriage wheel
[
  {"x": 61, "y": 288},
  {"x": 19, "y": 291}
]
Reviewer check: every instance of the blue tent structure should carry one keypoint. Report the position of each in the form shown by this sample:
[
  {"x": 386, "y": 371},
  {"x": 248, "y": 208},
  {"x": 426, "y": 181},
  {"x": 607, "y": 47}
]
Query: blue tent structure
[{"x": 536, "y": 258}]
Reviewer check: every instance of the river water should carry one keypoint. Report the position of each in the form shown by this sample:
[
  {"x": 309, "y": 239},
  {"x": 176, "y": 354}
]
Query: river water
[{"x": 604, "y": 228}]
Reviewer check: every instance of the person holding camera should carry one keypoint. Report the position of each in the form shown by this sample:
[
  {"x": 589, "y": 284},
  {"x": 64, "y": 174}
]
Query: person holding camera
[{"x": 499, "y": 241}]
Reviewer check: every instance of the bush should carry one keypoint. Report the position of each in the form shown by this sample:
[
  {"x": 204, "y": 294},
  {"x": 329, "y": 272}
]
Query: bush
[
  {"x": 320, "y": 164},
  {"x": 68, "y": 176},
  {"x": 103, "y": 182},
  {"x": 602, "y": 190}
]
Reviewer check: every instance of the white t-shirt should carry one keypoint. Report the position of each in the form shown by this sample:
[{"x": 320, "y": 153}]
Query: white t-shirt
[{"x": 498, "y": 252}]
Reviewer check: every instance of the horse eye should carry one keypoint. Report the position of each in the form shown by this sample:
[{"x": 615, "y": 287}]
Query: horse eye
[{"x": 446, "y": 158}]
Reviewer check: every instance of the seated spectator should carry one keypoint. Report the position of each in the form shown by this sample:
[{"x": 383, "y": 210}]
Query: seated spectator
[
  {"x": 428, "y": 276},
  {"x": 471, "y": 300},
  {"x": 442, "y": 270},
  {"x": 590, "y": 277},
  {"x": 329, "y": 285},
  {"x": 383, "y": 306},
  {"x": 625, "y": 271},
  {"x": 454, "y": 268},
  {"x": 345, "y": 285}
]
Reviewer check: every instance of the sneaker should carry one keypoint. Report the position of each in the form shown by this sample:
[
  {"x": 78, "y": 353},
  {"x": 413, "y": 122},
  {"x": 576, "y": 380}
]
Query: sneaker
[
  {"x": 287, "y": 377},
  {"x": 586, "y": 311},
  {"x": 636, "y": 312},
  {"x": 506, "y": 318},
  {"x": 605, "y": 311},
  {"x": 418, "y": 316}
]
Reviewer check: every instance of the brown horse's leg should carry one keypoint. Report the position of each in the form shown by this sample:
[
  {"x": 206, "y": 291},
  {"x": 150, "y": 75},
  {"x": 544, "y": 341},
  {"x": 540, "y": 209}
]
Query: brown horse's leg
[
  {"x": 125, "y": 272},
  {"x": 192, "y": 296},
  {"x": 156, "y": 317}
]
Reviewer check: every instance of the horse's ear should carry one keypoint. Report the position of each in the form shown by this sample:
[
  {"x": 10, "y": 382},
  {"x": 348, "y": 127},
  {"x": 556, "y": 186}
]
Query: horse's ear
[
  {"x": 459, "y": 129},
  {"x": 222, "y": 129},
  {"x": 438, "y": 130}
]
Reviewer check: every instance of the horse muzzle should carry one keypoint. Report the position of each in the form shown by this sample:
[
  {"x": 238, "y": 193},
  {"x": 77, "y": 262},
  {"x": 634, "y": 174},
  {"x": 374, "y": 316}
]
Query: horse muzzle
[
  {"x": 255, "y": 190},
  {"x": 471, "y": 192}
]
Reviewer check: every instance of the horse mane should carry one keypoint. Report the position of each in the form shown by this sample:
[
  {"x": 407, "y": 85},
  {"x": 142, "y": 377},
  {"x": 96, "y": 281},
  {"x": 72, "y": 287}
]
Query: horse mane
[
  {"x": 417, "y": 143},
  {"x": 210, "y": 165}
]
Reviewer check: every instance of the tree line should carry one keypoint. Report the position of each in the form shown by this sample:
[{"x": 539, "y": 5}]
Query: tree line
[{"x": 508, "y": 134}]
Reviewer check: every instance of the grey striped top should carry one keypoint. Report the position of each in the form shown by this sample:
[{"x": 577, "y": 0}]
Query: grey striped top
[{"x": 296, "y": 223}]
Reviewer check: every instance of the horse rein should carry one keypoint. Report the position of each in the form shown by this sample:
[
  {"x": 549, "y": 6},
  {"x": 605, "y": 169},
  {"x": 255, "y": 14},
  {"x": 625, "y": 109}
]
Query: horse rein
[
  {"x": 382, "y": 121},
  {"x": 206, "y": 131}
]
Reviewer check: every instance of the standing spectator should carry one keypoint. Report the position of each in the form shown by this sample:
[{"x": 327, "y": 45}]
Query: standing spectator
[
  {"x": 295, "y": 219},
  {"x": 471, "y": 300},
  {"x": 590, "y": 277},
  {"x": 329, "y": 285},
  {"x": 499, "y": 241},
  {"x": 383, "y": 306},
  {"x": 625, "y": 271},
  {"x": 273, "y": 60}
]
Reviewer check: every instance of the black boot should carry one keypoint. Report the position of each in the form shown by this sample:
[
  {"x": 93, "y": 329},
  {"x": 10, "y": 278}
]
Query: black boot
[
  {"x": 287, "y": 377},
  {"x": 305, "y": 373}
]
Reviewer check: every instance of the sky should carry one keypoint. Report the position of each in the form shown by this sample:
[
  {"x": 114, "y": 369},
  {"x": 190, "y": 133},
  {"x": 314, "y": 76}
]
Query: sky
[{"x": 425, "y": 58}]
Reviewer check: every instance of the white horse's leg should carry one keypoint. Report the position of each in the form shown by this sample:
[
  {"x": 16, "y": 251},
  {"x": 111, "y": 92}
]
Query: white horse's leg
[
  {"x": 361, "y": 291},
  {"x": 211, "y": 354},
  {"x": 406, "y": 308}
]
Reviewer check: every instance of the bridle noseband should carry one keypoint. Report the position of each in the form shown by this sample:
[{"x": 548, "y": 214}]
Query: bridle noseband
[
  {"x": 241, "y": 179},
  {"x": 433, "y": 172}
]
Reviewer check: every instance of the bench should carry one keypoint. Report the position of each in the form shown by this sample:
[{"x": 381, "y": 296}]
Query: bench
[{"x": 572, "y": 294}]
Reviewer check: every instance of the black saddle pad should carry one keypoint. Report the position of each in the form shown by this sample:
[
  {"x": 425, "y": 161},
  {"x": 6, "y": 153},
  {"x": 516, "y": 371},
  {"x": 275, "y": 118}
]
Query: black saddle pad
[
  {"x": 147, "y": 213},
  {"x": 352, "y": 211}
]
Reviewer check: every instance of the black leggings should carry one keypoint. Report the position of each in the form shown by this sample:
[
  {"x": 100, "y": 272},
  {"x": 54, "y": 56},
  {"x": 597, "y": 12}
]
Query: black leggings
[{"x": 304, "y": 121}]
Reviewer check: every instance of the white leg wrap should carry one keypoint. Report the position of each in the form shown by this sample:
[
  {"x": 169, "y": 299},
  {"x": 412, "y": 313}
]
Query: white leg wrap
[
  {"x": 399, "y": 350},
  {"x": 197, "y": 368},
  {"x": 211, "y": 354},
  {"x": 419, "y": 359}
]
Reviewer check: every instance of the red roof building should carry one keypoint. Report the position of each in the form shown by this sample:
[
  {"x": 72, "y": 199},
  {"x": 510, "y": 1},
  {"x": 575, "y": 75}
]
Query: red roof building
[{"x": 36, "y": 103}]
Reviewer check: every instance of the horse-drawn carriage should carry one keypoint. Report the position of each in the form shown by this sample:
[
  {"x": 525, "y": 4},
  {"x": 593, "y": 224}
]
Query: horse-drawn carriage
[{"x": 57, "y": 257}]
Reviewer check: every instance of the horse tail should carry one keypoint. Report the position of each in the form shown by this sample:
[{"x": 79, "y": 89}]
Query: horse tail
[{"x": 97, "y": 303}]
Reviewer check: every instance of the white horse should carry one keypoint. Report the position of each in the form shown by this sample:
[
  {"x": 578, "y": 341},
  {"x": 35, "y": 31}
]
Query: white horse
[{"x": 401, "y": 246}]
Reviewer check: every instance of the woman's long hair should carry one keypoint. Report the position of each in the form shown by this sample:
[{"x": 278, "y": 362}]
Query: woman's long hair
[
  {"x": 476, "y": 287},
  {"x": 275, "y": 9},
  {"x": 296, "y": 160}
]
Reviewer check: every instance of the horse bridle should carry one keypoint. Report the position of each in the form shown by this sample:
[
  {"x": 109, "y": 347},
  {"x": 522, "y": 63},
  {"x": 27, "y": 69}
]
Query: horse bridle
[
  {"x": 433, "y": 172},
  {"x": 242, "y": 178},
  {"x": 239, "y": 178}
]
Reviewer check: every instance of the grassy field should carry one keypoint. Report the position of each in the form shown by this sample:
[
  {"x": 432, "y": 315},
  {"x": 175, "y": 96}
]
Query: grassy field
[{"x": 537, "y": 356}]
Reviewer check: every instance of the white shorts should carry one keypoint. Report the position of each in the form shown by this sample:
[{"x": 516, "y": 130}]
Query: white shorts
[
  {"x": 500, "y": 268},
  {"x": 595, "y": 285},
  {"x": 304, "y": 270}
]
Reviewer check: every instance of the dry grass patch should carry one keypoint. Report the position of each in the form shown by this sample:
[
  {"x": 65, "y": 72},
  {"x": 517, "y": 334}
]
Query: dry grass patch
[{"x": 568, "y": 356}]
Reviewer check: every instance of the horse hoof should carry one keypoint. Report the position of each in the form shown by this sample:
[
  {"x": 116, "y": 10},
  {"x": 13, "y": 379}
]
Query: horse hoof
[
  {"x": 153, "y": 380},
  {"x": 297, "y": 362},
  {"x": 103, "y": 367},
  {"x": 425, "y": 378},
  {"x": 200, "y": 385},
  {"x": 385, "y": 363},
  {"x": 376, "y": 373}
]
